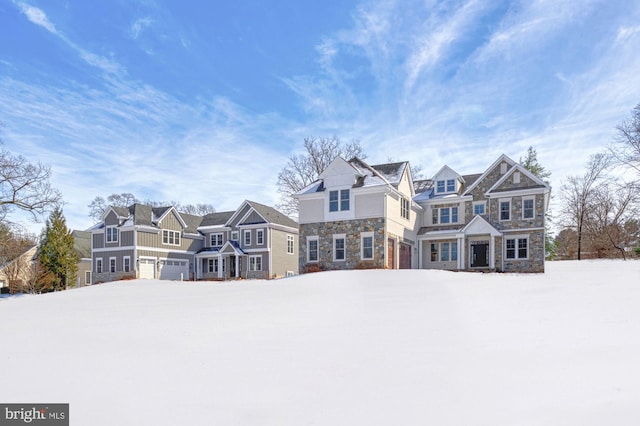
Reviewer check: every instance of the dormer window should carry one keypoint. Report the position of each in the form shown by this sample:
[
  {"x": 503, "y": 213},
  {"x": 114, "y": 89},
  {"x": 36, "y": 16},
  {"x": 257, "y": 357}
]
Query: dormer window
[
  {"x": 448, "y": 185},
  {"x": 112, "y": 234},
  {"x": 451, "y": 185},
  {"x": 440, "y": 187}
]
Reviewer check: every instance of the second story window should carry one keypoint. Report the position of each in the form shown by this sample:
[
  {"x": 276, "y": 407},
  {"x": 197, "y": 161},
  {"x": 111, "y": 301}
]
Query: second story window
[
  {"x": 112, "y": 234},
  {"x": 339, "y": 200},
  {"x": 216, "y": 240},
  {"x": 404, "y": 208},
  {"x": 260, "y": 237},
  {"x": 527, "y": 208},
  {"x": 440, "y": 186},
  {"x": 505, "y": 210},
  {"x": 451, "y": 185},
  {"x": 247, "y": 238},
  {"x": 171, "y": 238}
]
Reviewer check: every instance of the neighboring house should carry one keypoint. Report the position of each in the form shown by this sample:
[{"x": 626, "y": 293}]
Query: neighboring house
[
  {"x": 254, "y": 241},
  {"x": 16, "y": 274},
  {"x": 356, "y": 215},
  {"x": 82, "y": 245},
  {"x": 359, "y": 216}
]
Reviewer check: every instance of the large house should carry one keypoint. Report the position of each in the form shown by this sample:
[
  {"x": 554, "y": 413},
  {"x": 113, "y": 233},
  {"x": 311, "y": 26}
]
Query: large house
[
  {"x": 356, "y": 215},
  {"x": 140, "y": 241}
]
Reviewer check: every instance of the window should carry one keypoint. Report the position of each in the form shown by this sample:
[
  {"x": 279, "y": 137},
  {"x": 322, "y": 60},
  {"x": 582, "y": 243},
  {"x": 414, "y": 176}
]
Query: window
[
  {"x": 451, "y": 185},
  {"x": 247, "y": 238},
  {"x": 339, "y": 247},
  {"x": 290, "y": 244},
  {"x": 434, "y": 252},
  {"x": 312, "y": 249},
  {"x": 454, "y": 251},
  {"x": 479, "y": 208},
  {"x": 503, "y": 168},
  {"x": 87, "y": 277},
  {"x": 517, "y": 248},
  {"x": 216, "y": 240},
  {"x": 211, "y": 266},
  {"x": 404, "y": 208},
  {"x": 344, "y": 199},
  {"x": 527, "y": 208},
  {"x": 112, "y": 264},
  {"x": 367, "y": 245},
  {"x": 444, "y": 254},
  {"x": 255, "y": 263},
  {"x": 339, "y": 200},
  {"x": 444, "y": 215},
  {"x": 126, "y": 264},
  {"x": 505, "y": 210},
  {"x": 434, "y": 216},
  {"x": 235, "y": 236},
  {"x": 171, "y": 237},
  {"x": 98, "y": 266},
  {"x": 260, "y": 237},
  {"x": 440, "y": 186},
  {"x": 454, "y": 215},
  {"x": 112, "y": 234},
  {"x": 516, "y": 177},
  {"x": 333, "y": 201}
]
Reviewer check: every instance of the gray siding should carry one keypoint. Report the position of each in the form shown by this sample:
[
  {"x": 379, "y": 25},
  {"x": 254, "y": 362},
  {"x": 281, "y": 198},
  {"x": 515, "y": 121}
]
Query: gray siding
[
  {"x": 281, "y": 260},
  {"x": 98, "y": 240}
]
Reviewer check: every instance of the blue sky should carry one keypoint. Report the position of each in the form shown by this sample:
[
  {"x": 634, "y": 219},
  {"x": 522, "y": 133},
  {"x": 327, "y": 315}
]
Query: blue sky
[{"x": 204, "y": 101}]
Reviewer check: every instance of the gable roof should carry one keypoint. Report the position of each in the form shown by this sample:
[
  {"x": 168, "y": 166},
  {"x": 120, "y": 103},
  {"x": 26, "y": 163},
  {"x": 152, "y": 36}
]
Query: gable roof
[
  {"x": 216, "y": 219},
  {"x": 500, "y": 159},
  {"x": 539, "y": 183},
  {"x": 267, "y": 213}
]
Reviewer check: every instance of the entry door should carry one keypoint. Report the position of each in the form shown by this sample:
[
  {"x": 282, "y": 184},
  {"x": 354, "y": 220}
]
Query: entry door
[
  {"x": 405, "y": 256},
  {"x": 391, "y": 254},
  {"x": 232, "y": 266},
  {"x": 479, "y": 255}
]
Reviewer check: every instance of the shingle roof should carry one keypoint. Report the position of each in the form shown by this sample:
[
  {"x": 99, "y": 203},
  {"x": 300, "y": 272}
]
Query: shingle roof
[
  {"x": 82, "y": 243},
  {"x": 216, "y": 219},
  {"x": 272, "y": 215}
]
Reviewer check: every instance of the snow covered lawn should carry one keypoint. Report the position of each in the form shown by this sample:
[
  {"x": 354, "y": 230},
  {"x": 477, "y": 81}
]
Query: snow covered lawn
[{"x": 336, "y": 348}]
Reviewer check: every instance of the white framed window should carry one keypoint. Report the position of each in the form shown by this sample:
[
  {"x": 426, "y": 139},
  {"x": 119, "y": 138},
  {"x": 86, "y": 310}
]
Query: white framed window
[
  {"x": 448, "y": 251},
  {"x": 255, "y": 263},
  {"x": 260, "y": 237},
  {"x": 440, "y": 186},
  {"x": 87, "y": 277},
  {"x": 434, "y": 215},
  {"x": 339, "y": 200},
  {"x": 404, "y": 208},
  {"x": 216, "y": 240},
  {"x": 235, "y": 236},
  {"x": 247, "y": 238},
  {"x": 170, "y": 237},
  {"x": 112, "y": 234},
  {"x": 505, "y": 210},
  {"x": 517, "y": 248},
  {"x": 290, "y": 244},
  {"x": 451, "y": 185},
  {"x": 99, "y": 265},
  {"x": 528, "y": 208},
  {"x": 312, "y": 249},
  {"x": 366, "y": 244},
  {"x": 434, "y": 252},
  {"x": 339, "y": 248},
  {"x": 211, "y": 265},
  {"x": 126, "y": 264},
  {"x": 446, "y": 215},
  {"x": 479, "y": 208},
  {"x": 112, "y": 264}
]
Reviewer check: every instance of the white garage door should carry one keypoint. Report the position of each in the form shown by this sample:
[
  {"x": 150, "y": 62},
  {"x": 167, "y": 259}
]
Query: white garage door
[
  {"x": 147, "y": 268},
  {"x": 174, "y": 270}
]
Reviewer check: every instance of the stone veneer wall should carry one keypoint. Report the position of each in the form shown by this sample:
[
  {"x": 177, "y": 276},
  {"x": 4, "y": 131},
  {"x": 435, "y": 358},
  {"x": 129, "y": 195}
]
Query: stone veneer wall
[
  {"x": 352, "y": 230},
  {"x": 535, "y": 262}
]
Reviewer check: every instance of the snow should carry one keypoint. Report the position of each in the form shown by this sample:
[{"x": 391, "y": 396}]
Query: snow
[{"x": 336, "y": 348}]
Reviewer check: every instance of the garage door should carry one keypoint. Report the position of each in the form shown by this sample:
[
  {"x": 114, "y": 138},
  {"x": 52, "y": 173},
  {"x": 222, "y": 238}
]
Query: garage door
[
  {"x": 147, "y": 268},
  {"x": 174, "y": 270}
]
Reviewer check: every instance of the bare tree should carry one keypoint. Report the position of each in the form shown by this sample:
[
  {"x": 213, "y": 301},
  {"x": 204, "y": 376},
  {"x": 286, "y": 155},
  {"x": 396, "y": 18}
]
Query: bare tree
[
  {"x": 99, "y": 205},
  {"x": 196, "y": 209},
  {"x": 25, "y": 186},
  {"x": 578, "y": 195},
  {"x": 626, "y": 147},
  {"x": 610, "y": 209},
  {"x": 303, "y": 169}
]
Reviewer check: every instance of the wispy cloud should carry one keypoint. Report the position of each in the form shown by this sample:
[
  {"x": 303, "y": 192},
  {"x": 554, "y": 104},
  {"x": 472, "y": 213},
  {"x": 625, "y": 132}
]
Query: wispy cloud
[
  {"x": 37, "y": 16},
  {"x": 139, "y": 25}
]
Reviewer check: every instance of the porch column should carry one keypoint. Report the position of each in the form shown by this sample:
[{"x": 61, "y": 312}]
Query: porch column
[
  {"x": 237, "y": 266},
  {"x": 219, "y": 266},
  {"x": 420, "y": 244},
  {"x": 461, "y": 253},
  {"x": 198, "y": 268},
  {"x": 492, "y": 252}
]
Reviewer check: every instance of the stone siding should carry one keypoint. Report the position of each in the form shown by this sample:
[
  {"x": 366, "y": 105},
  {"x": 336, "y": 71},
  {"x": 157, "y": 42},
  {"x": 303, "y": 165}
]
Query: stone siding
[{"x": 352, "y": 230}]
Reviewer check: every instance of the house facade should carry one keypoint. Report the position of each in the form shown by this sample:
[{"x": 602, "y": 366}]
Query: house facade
[
  {"x": 255, "y": 241},
  {"x": 356, "y": 215},
  {"x": 359, "y": 216}
]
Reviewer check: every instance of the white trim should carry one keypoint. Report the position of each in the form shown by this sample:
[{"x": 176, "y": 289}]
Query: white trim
[
  {"x": 315, "y": 238},
  {"x": 246, "y": 242},
  {"x": 99, "y": 261},
  {"x": 529, "y": 198},
  {"x": 500, "y": 201},
  {"x": 344, "y": 249},
  {"x": 517, "y": 192},
  {"x": 115, "y": 264},
  {"x": 253, "y": 268},
  {"x": 517, "y": 239},
  {"x": 260, "y": 236},
  {"x": 484, "y": 175},
  {"x": 124, "y": 269},
  {"x": 291, "y": 239}
]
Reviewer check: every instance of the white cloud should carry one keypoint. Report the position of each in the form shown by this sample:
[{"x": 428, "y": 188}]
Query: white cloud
[
  {"x": 37, "y": 16},
  {"x": 139, "y": 26}
]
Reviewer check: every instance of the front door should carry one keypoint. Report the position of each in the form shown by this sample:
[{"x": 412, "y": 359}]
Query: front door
[
  {"x": 405, "y": 256},
  {"x": 479, "y": 255},
  {"x": 232, "y": 266}
]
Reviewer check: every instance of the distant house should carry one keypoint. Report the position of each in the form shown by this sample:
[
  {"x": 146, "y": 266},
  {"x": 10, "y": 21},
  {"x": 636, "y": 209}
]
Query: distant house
[
  {"x": 356, "y": 216},
  {"x": 254, "y": 241},
  {"x": 18, "y": 273},
  {"x": 82, "y": 245}
]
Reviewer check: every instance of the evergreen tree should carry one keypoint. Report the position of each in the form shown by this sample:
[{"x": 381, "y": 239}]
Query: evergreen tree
[{"x": 57, "y": 255}]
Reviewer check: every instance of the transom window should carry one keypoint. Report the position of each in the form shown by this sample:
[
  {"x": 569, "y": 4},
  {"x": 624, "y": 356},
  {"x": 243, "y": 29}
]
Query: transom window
[
  {"x": 112, "y": 234},
  {"x": 517, "y": 248},
  {"x": 171, "y": 238},
  {"x": 339, "y": 200}
]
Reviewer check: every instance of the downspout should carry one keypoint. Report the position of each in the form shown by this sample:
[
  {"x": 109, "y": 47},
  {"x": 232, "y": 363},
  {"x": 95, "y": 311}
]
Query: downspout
[{"x": 385, "y": 253}]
